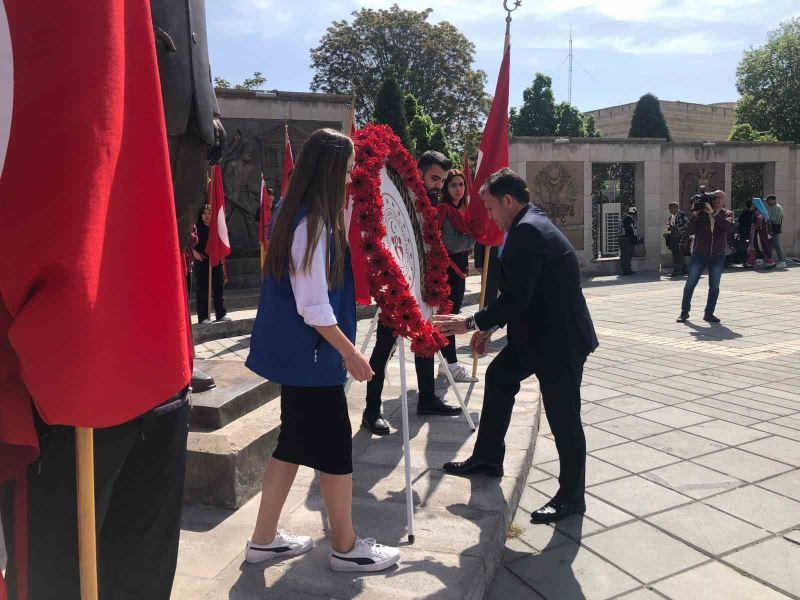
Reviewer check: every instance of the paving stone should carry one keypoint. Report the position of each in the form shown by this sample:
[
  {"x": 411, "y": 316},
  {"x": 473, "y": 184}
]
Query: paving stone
[
  {"x": 603, "y": 513},
  {"x": 595, "y": 413},
  {"x": 630, "y": 404},
  {"x": 632, "y": 427},
  {"x": 777, "y": 448},
  {"x": 743, "y": 465},
  {"x": 507, "y": 586},
  {"x": 597, "y": 471},
  {"x": 592, "y": 393},
  {"x": 643, "y": 551},
  {"x": 727, "y": 433},
  {"x": 787, "y": 484},
  {"x": 759, "y": 507},
  {"x": 674, "y": 416},
  {"x": 693, "y": 480},
  {"x": 707, "y": 528},
  {"x": 774, "y": 561},
  {"x": 727, "y": 584},
  {"x": 570, "y": 572},
  {"x": 642, "y": 594},
  {"x": 682, "y": 444},
  {"x": 634, "y": 457},
  {"x": 638, "y": 496},
  {"x": 781, "y": 430}
]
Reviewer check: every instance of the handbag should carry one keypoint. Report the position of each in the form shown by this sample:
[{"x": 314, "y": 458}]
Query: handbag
[{"x": 776, "y": 227}]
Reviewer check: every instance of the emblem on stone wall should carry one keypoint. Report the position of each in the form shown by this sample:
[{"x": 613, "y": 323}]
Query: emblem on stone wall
[{"x": 556, "y": 192}]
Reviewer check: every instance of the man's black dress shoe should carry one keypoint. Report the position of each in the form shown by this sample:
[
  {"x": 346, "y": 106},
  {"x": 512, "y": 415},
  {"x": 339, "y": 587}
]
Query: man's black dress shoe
[
  {"x": 474, "y": 466},
  {"x": 201, "y": 381},
  {"x": 684, "y": 316},
  {"x": 436, "y": 407},
  {"x": 556, "y": 510},
  {"x": 710, "y": 318},
  {"x": 379, "y": 426}
]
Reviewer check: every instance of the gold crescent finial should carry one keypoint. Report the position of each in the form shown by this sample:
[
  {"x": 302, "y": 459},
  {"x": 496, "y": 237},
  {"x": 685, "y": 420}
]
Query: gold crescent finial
[{"x": 517, "y": 4}]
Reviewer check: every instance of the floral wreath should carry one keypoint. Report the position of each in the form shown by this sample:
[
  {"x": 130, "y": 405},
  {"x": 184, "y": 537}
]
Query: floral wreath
[{"x": 377, "y": 146}]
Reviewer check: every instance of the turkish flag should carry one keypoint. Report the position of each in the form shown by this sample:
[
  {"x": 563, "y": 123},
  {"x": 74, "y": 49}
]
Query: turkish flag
[
  {"x": 218, "y": 245},
  {"x": 288, "y": 162},
  {"x": 492, "y": 156},
  {"x": 264, "y": 215},
  {"x": 94, "y": 327}
]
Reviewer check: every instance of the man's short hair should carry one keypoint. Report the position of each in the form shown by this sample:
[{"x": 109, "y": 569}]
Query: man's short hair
[
  {"x": 675, "y": 204},
  {"x": 505, "y": 181},
  {"x": 772, "y": 197},
  {"x": 432, "y": 157}
]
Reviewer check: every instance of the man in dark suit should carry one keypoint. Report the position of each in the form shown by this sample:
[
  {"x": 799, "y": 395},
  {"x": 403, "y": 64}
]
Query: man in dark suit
[
  {"x": 550, "y": 334},
  {"x": 194, "y": 131}
]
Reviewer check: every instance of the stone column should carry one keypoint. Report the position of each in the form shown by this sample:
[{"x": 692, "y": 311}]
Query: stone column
[
  {"x": 650, "y": 213},
  {"x": 587, "y": 255},
  {"x": 729, "y": 183}
]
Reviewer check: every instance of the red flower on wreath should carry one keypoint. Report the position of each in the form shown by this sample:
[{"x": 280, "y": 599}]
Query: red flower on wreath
[{"x": 376, "y": 146}]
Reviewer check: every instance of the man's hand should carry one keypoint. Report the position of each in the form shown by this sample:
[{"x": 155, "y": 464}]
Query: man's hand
[
  {"x": 450, "y": 324},
  {"x": 709, "y": 209},
  {"x": 214, "y": 154},
  {"x": 479, "y": 341}
]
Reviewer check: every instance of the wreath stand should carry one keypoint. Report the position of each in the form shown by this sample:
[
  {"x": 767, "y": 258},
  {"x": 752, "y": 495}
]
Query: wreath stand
[{"x": 401, "y": 355}]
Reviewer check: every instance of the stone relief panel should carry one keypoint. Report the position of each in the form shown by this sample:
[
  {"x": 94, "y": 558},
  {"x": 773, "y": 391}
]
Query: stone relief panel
[
  {"x": 693, "y": 176},
  {"x": 558, "y": 189}
]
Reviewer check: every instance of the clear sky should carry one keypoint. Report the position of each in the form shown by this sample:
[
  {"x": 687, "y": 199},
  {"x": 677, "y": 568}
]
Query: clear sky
[{"x": 677, "y": 49}]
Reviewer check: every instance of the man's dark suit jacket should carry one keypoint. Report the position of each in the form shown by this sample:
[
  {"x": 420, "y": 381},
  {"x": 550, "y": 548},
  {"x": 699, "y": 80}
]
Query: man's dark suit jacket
[
  {"x": 180, "y": 31},
  {"x": 541, "y": 300}
]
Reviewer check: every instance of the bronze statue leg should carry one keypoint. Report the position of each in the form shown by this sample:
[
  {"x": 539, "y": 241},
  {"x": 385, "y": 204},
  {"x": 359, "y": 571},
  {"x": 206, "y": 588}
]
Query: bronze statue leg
[{"x": 187, "y": 155}]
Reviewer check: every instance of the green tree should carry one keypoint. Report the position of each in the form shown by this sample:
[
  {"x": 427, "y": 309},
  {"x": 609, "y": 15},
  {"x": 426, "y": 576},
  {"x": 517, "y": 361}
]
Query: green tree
[
  {"x": 439, "y": 141},
  {"x": 590, "y": 126},
  {"x": 256, "y": 82},
  {"x": 648, "y": 121},
  {"x": 434, "y": 62},
  {"x": 768, "y": 82},
  {"x": 421, "y": 131},
  {"x": 411, "y": 107},
  {"x": 537, "y": 115},
  {"x": 389, "y": 109},
  {"x": 744, "y": 132},
  {"x": 569, "y": 121}
]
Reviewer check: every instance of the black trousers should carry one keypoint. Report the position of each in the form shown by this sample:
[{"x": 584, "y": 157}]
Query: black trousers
[
  {"x": 384, "y": 343},
  {"x": 560, "y": 387},
  {"x": 678, "y": 261},
  {"x": 139, "y": 473},
  {"x": 217, "y": 290},
  {"x": 457, "y": 288},
  {"x": 626, "y": 254}
]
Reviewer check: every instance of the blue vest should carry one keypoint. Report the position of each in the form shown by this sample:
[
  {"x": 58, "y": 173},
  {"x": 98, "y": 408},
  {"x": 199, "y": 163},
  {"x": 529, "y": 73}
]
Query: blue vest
[{"x": 284, "y": 349}]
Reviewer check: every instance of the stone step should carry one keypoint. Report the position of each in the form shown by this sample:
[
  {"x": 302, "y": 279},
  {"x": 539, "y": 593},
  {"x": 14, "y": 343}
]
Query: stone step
[
  {"x": 238, "y": 392},
  {"x": 235, "y": 299}
]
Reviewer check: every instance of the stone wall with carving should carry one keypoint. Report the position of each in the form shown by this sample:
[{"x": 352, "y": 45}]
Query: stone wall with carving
[
  {"x": 557, "y": 187},
  {"x": 694, "y": 175}
]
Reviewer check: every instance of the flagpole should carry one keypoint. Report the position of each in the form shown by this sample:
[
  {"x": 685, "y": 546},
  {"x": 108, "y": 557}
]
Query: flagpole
[
  {"x": 87, "y": 531},
  {"x": 210, "y": 271}
]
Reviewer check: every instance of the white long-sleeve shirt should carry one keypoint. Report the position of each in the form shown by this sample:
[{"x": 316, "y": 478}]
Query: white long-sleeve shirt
[{"x": 310, "y": 287}]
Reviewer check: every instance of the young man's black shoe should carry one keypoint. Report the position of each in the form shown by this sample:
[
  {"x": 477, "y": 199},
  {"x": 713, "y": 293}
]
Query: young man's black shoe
[
  {"x": 436, "y": 407},
  {"x": 556, "y": 510},
  {"x": 378, "y": 426},
  {"x": 474, "y": 466},
  {"x": 684, "y": 316},
  {"x": 710, "y": 318}
]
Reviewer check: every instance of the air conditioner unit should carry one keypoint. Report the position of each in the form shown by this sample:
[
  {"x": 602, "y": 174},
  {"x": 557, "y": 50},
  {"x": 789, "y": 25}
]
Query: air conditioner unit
[{"x": 612, "y": 218}]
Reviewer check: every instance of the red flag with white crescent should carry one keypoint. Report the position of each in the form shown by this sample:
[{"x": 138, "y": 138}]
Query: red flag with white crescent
[
  {"x": 218, "y": 245},
  {"x": 492, "y": 156},
  {"x": 288, "y": 161}
]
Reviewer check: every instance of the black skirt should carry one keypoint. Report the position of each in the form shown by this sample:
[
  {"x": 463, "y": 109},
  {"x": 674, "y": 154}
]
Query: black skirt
[{"x": 315, "y": 429}]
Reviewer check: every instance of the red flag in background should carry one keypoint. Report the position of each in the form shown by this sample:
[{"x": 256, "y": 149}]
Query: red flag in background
[
  {"x": 218, "y": 246},
  {"x": 92, "y": 289},
  {"x": 264, "y": 214},
  {"x": 288, "y": 161},
  {"x": 492, "y": 155}
]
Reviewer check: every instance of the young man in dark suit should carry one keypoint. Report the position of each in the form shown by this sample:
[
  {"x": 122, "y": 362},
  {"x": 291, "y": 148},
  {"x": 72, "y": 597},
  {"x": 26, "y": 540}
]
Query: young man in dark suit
[{"x": 550, "y": 334}]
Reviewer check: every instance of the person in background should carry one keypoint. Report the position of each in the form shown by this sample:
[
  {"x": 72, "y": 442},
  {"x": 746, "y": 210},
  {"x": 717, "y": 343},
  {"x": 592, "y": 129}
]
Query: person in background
[
  {"x": 746, "y": 221},
  {"x": 709, "y": 227},
  {"x": 677, "y": 225},
  {"x": 201, "y": 274},
  {"x": 760, "y": 237},
  {"x": 628, "y": 238},
  {"x": 458, "y": 241},
  {"x": 303, "y": 339},
  {"x": 775, "y": 226}
]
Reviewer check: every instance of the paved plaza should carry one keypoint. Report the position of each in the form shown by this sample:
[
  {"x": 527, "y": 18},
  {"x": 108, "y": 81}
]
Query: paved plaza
[{"x": 693, "y": 433}]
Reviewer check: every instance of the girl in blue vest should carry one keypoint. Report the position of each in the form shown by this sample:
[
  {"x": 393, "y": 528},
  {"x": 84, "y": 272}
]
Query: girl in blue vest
[{"x": 303, "y": 339}]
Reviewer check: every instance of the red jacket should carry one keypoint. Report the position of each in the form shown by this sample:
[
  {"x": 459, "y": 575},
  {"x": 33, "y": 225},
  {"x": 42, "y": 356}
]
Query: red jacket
[{"x": 708, "y": 241}]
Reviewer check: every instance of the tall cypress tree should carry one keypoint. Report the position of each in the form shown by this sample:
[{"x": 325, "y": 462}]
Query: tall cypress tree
[
  {"x": 648, "y": 121},
  {"x": 389, "y": 109}
]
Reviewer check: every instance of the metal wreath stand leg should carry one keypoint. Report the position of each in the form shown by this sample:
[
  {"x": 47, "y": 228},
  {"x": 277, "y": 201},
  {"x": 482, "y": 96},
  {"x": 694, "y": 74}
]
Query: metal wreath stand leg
[{"x": 401, "y": 355}]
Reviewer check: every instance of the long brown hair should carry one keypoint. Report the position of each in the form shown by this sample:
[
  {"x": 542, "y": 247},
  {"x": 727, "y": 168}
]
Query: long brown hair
[
  {"x": 453, "y": 173},
  {"x": 316, "y": 183}
]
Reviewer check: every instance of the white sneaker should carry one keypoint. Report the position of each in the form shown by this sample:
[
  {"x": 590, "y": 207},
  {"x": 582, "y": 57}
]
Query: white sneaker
[
  {"x": 205, "y": 322},
  {"x": 284, "y": 544},
  {"x": 366, "y": 555},
  {"x": 460, "y": 374},
  {"x": 226, "y": 318},
  {"x": 781, "y": 264}
]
